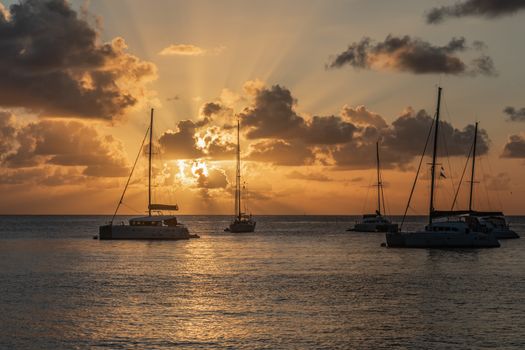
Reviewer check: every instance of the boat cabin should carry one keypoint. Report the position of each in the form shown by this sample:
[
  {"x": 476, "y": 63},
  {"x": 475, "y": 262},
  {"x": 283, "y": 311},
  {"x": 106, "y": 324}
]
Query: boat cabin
[{"x": 158, "y": 220}]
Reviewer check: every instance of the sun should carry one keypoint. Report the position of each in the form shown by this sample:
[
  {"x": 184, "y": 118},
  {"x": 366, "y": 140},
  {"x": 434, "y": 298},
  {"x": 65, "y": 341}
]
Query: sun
[{"x": 199, "y": 165}]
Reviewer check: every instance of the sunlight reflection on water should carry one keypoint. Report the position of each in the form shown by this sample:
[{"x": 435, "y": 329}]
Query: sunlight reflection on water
[{"x": 299, "y": 282}]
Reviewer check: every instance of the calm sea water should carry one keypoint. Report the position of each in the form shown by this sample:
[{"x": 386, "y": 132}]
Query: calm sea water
[{"x": 299, "y": 282}]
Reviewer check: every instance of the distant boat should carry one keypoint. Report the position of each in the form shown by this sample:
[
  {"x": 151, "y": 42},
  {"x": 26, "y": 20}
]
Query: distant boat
[
  {"x": 150, "y": 227},
  {"x": 456, "y": 231},
  {"x": 242, "y": 221},
  {"x": 493, "y": 221},
  {"x": 376, "y": 222}
]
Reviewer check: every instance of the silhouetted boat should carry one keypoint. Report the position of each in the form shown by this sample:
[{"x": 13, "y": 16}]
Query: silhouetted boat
[
  {"x": 242, "y": 222},
  {"x": 493, "y": 221},
  {"x": 376, "y": 222},
  {"x": 457, "y": 231},
  {"x": 150, "y": 227}
]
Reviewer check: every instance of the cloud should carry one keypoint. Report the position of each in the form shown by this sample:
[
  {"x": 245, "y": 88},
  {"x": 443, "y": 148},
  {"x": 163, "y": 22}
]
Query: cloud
[
  {"x": 52, "y": 63},
  {"x": 404, "y": 140},
  {"x": 361, "y": 116},
  {"x": 181, "y": 144},
  {"x": 273, "y": 115},
  {"x": 215, "y": 179},
  {"x": 7, "y": 133},
  {"x": 68, "y": 144},
  {"x": 480, "y": 8},
  {"x": 295, "y": 175},
  {"x": 413, "y": 55},
  {"x": 280, "y": 152},
  {"x": 188, "y": 50},
  {"x": 515, "y": 115},
  {"x": 515, "y": 147}
]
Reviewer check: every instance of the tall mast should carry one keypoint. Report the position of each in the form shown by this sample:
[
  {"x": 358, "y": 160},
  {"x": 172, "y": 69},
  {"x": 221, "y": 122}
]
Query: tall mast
[
  {"x": 149, "y": 163},
  {"x": 434, "y": 156},
  {"x": 473, "y": 167},
  {"x": 238, "y": 175},
  {"x": 379, "y": 184}
]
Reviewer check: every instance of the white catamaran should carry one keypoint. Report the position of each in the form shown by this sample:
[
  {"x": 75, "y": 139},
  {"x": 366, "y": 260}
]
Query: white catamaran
[
  {"x": 242, "y": 221},
  {"x": 150, "y": 227},
  {"x": 376, "y": 222},
  {"x": 493, "y": 221},
  {"x": 453, "y": 232}
]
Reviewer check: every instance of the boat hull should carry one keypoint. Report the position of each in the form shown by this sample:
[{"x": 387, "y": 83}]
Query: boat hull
[
  {"x": 128, "y": 232},
  {"x": 441, "y": 240},
  {"x": 372, "y": 227},
  {"x": 241, "y": 227},
  {"x": 505, "y": 234}
]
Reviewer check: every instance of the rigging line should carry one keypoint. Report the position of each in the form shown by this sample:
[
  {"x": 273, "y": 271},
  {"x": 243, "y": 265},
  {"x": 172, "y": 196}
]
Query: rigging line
[
  {"x": 135, "y": 210},
  {"x": 417, "y": 174},
  {"x": 131, "y": 173},
  {"x": 462, "y": 176},
  {"x": 366, "y": 197},
  {"x": 485, "y": 187},
  {"x": 491, "y": 173}
]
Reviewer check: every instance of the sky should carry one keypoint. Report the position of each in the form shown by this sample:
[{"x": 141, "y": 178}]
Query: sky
[{"x": 315, "y": 85}]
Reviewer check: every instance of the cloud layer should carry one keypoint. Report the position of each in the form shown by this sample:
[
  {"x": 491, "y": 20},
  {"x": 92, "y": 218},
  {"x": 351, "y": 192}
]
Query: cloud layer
[
  {"x": 515, "y": 147},
  {"x": 58, "y": 143},
  {"x": 414, "y": 55},
  {"x": 481, "y": 8},
  {"x": 514, "y": 114},
  {"x": 53, "y": 63}
]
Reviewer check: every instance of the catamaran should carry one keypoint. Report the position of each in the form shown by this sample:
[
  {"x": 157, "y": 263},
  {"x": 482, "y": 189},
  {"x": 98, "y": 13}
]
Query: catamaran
[
  {"x": 458, "y": 231},
  {"x": 154, "y": 226},
  {"x": 376, "y": 222},
  {"x": 242, "y": 222},
  {"x": 493, "y": 221}
]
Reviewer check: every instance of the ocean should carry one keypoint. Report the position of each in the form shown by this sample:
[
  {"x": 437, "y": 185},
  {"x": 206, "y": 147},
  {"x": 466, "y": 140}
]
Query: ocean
[{"x": 299, "y": 282}]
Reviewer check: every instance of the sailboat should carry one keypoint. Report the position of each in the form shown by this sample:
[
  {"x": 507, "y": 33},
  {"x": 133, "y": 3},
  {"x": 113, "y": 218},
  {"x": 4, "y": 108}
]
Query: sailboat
[
  {"x": 154, "y": 226},
  {"x": 493, "y": 221},
  {"x": 376, "y": 222},
  {"x": 242, "y": 222},
  {"x": 455, "y": 232}
]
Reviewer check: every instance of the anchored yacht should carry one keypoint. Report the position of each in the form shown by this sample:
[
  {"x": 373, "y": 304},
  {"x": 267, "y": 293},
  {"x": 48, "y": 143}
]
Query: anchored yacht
[
  {"x": 154, "y": 226},
  {"x": 453, "y": 232},
  {"x": 376, "y": 222},
  {"x": 242, "y": 222}
]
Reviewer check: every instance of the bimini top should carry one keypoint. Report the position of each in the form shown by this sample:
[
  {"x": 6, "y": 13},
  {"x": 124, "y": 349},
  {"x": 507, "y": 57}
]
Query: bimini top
[{"x": 156, "y": 218}]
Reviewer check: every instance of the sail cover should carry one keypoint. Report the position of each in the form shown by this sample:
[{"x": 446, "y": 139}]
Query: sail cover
[{"x": 163, "y": 207}]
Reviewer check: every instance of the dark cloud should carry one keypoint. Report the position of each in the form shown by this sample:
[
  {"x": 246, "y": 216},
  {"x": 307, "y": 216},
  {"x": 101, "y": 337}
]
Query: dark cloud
[
  {"x": 480, "y": 8},
  {"x": 514, "y": 148},
  {"x": 211, "y": 108},
  {"x": 404, "y": 140},
  {"x": 280, "y": 152},
  {"x": 7, "y": 133},
  {"x": 53, "y": 63},
  {"x": 182, "y": 143},
  {"x": 273, "y": 115},
  {"x": 67, "y": 144},
  {"x": 295, "y": 175},
  {"x": 407, "y": 54},
  {"x": 515, "y": 115}
]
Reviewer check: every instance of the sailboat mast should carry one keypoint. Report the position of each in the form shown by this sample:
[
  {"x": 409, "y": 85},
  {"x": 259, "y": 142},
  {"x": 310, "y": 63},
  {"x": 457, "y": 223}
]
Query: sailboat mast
[
  {"x": 434, "y": 156},
  {"x": 379, "y": 184},
  {"x": 149, "y": 161},
  {"x": 473, "y": 167},
  {"x": 238, "y": 177}
]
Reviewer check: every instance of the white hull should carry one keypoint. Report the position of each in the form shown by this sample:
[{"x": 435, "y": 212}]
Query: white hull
[
  {"x": 426, "y": 239},
  {"x": 129, "y": 232}
]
